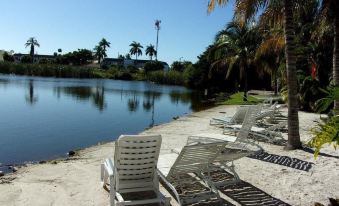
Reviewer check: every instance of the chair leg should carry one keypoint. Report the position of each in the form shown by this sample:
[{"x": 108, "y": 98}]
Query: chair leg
[
  {"x": 112, "y": 191},
  {"x": 102, "y": 172}
]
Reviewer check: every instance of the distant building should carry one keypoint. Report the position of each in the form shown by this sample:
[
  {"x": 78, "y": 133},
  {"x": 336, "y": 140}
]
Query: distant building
[
  {"x": 127, "y": 62},
  {"x": 37, "y": 57}
]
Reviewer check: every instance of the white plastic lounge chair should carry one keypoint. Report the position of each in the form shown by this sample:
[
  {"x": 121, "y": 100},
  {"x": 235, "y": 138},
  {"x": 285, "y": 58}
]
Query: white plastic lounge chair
[
  {"x": 183, "y": 178},
  {"x": 271, "y": 134},
  {"x": 237, "y": 118},
  {"x": 236, "y": 147},
  {"x": 133, "y": 170}
]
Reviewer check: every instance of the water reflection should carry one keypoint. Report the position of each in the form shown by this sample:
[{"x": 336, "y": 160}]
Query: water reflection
[
  {"x": 133, "y": 103},
  {"x": 149, "y": 103},
  {"x": 96, "y": 95},
  {"x": 104, "y": 110},
  {"x": 31, "y": 98}
]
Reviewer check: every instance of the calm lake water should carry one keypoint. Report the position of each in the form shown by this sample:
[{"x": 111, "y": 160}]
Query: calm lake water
[{"x": 44, "y": 118}]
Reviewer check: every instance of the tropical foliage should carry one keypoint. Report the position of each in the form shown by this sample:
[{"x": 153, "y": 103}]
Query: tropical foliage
[
  {"x": 327, "y": 132},
  {"x": 153, "y": 66},
  {"x": 100, "y": 49},
  {"x": 135, "y": 49},
  {"x": 32, "y": 43},
  {"x": 235, "y": 47},
  {"x": 150, "y": 51}
]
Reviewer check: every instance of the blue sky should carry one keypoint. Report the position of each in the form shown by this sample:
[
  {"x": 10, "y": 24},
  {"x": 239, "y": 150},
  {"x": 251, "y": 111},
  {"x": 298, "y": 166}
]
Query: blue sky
[{"x": 186, "y": 28}]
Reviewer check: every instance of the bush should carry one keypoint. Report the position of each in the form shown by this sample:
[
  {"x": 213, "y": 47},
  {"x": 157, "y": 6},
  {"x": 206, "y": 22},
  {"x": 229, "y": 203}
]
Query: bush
[
  {"x": 8, "y": 58},
  {"x": 132, "y": 69},
  {"x": 47, "y": 70},
  {"x": 161, "y": 77},
  {"x": 44, "y": 61},
  {"x": 26, "y": 59},
  {"x": 180, "y": 66},
  {"x": 310, "y": 92},
  {"x": 153, "y": 66}
]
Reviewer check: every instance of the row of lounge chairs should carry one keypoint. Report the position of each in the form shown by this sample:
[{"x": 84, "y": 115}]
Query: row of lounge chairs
[{"x": 188, "y": 173}]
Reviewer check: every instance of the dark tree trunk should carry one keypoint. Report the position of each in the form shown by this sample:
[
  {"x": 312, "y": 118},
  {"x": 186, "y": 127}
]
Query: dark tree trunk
[
  {"x": 275, "y": 83},
  {"x": 336, "y": 50},
  {"x": 244, "y": 69},
  {"x": 292, "y": 85},
  {"x": 156, "y": 54},
  {"x": 32, "y": 53}
]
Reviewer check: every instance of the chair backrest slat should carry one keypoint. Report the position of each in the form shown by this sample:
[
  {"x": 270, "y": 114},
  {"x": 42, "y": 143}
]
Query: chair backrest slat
[
  {"x": 195, "y": 158},
  {"x": 249, "y": 121},
  {"x": 239, "y": 115},
  {"x": 135, "y": 159}
]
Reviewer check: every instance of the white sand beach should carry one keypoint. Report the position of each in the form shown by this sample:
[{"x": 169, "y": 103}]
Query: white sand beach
[{"x": 76, "y": 181}]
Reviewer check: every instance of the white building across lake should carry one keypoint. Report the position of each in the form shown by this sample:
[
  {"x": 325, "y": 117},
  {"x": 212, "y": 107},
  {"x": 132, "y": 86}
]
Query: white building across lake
[{"x": 139, "y": 63}]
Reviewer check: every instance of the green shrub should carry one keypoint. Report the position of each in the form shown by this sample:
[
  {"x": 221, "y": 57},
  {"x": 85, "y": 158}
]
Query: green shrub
[
  {"x": 162, "y": 77},
  {"x": 8, "y": 58},
  {"x": 310, "y": 92},
  {"x": 26, "y": 59},
  {"x": 132, "y": 69},
  {"x": 326, "y": 132},
  {"x": 153, "y": 66}
]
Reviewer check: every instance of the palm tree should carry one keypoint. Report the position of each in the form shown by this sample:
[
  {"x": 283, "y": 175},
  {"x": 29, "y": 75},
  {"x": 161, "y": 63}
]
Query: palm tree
[
  {"x": 329, "y": 10},
  {"x": 136, "y": 49},
  {"x": 32, "y": 42},
  {"x": 270, "y": 53},
  {"x": 99, "y": 53},
  {"x": 157, "y": 27},
  {"x": 247, "y": 10},
  {"x": 104, "y": 43},
  {"x": 151, "y": 51},
  {"x": 236, "y": 46}
]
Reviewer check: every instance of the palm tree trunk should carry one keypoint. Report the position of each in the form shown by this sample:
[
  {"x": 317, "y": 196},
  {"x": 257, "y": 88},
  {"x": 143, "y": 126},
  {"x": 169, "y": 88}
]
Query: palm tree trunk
[
  {"x": 32, "y": 52},
  {"x": 292, "y": 85},
  {"x": 336, "y": 51},
  {"x": 156, "y": 54},
  {"x": 245, "y": 86},
  {"x": 244, "y": 70},
  {"x": 275, "y": 77}
]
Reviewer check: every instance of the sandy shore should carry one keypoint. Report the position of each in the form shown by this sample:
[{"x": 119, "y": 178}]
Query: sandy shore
[{"x": 76, "y": 181}]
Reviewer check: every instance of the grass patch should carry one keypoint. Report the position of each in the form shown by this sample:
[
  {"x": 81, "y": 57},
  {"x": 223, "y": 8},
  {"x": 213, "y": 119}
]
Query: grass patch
[{"x": 237, "y": 99}]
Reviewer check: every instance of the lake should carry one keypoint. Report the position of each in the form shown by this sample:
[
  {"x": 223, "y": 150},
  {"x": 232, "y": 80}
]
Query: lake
[{"x": 44, "y": 118}]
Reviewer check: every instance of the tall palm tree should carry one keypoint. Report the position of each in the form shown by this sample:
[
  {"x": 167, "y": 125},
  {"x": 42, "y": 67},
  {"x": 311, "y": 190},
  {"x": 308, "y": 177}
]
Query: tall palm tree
[
  {"x": 329, "y": 11},
  {"x": 236, "y": 46},
  {"x": 32, "y": 42},
  {"x": 99, "y": 53},
  {"x": 135, "y": 49},
  {"x": 151, "y": 51},
  {"x": 104, "y": 43},
  {"x": 157, "y": 27},
  {"x": 247, "y": 10}
]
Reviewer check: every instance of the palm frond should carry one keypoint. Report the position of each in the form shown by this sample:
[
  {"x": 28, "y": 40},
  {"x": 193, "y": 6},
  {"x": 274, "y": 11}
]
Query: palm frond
[{"x": 212, "y": 4}]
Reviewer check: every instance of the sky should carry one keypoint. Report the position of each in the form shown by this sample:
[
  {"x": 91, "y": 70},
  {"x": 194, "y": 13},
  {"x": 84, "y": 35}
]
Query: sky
[{"x": 186, "y": 28}]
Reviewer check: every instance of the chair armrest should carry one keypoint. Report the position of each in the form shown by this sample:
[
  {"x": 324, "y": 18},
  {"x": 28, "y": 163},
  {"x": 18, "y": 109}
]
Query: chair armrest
[
  {"x": 168, "y": 185},
  {"x": 109, "y": 166}
]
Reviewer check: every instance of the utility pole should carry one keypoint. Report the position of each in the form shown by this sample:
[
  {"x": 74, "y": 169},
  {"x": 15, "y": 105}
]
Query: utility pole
[{"x": 157, "y": 27}]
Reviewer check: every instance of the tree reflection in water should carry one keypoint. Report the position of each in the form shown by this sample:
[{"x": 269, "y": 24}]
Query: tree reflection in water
[
  {"x": 96, "y": 95},
  {"x": 149, "y": 103},
  {"x": 31, "y": 98},
  {"x": 133, "y": 103}
]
